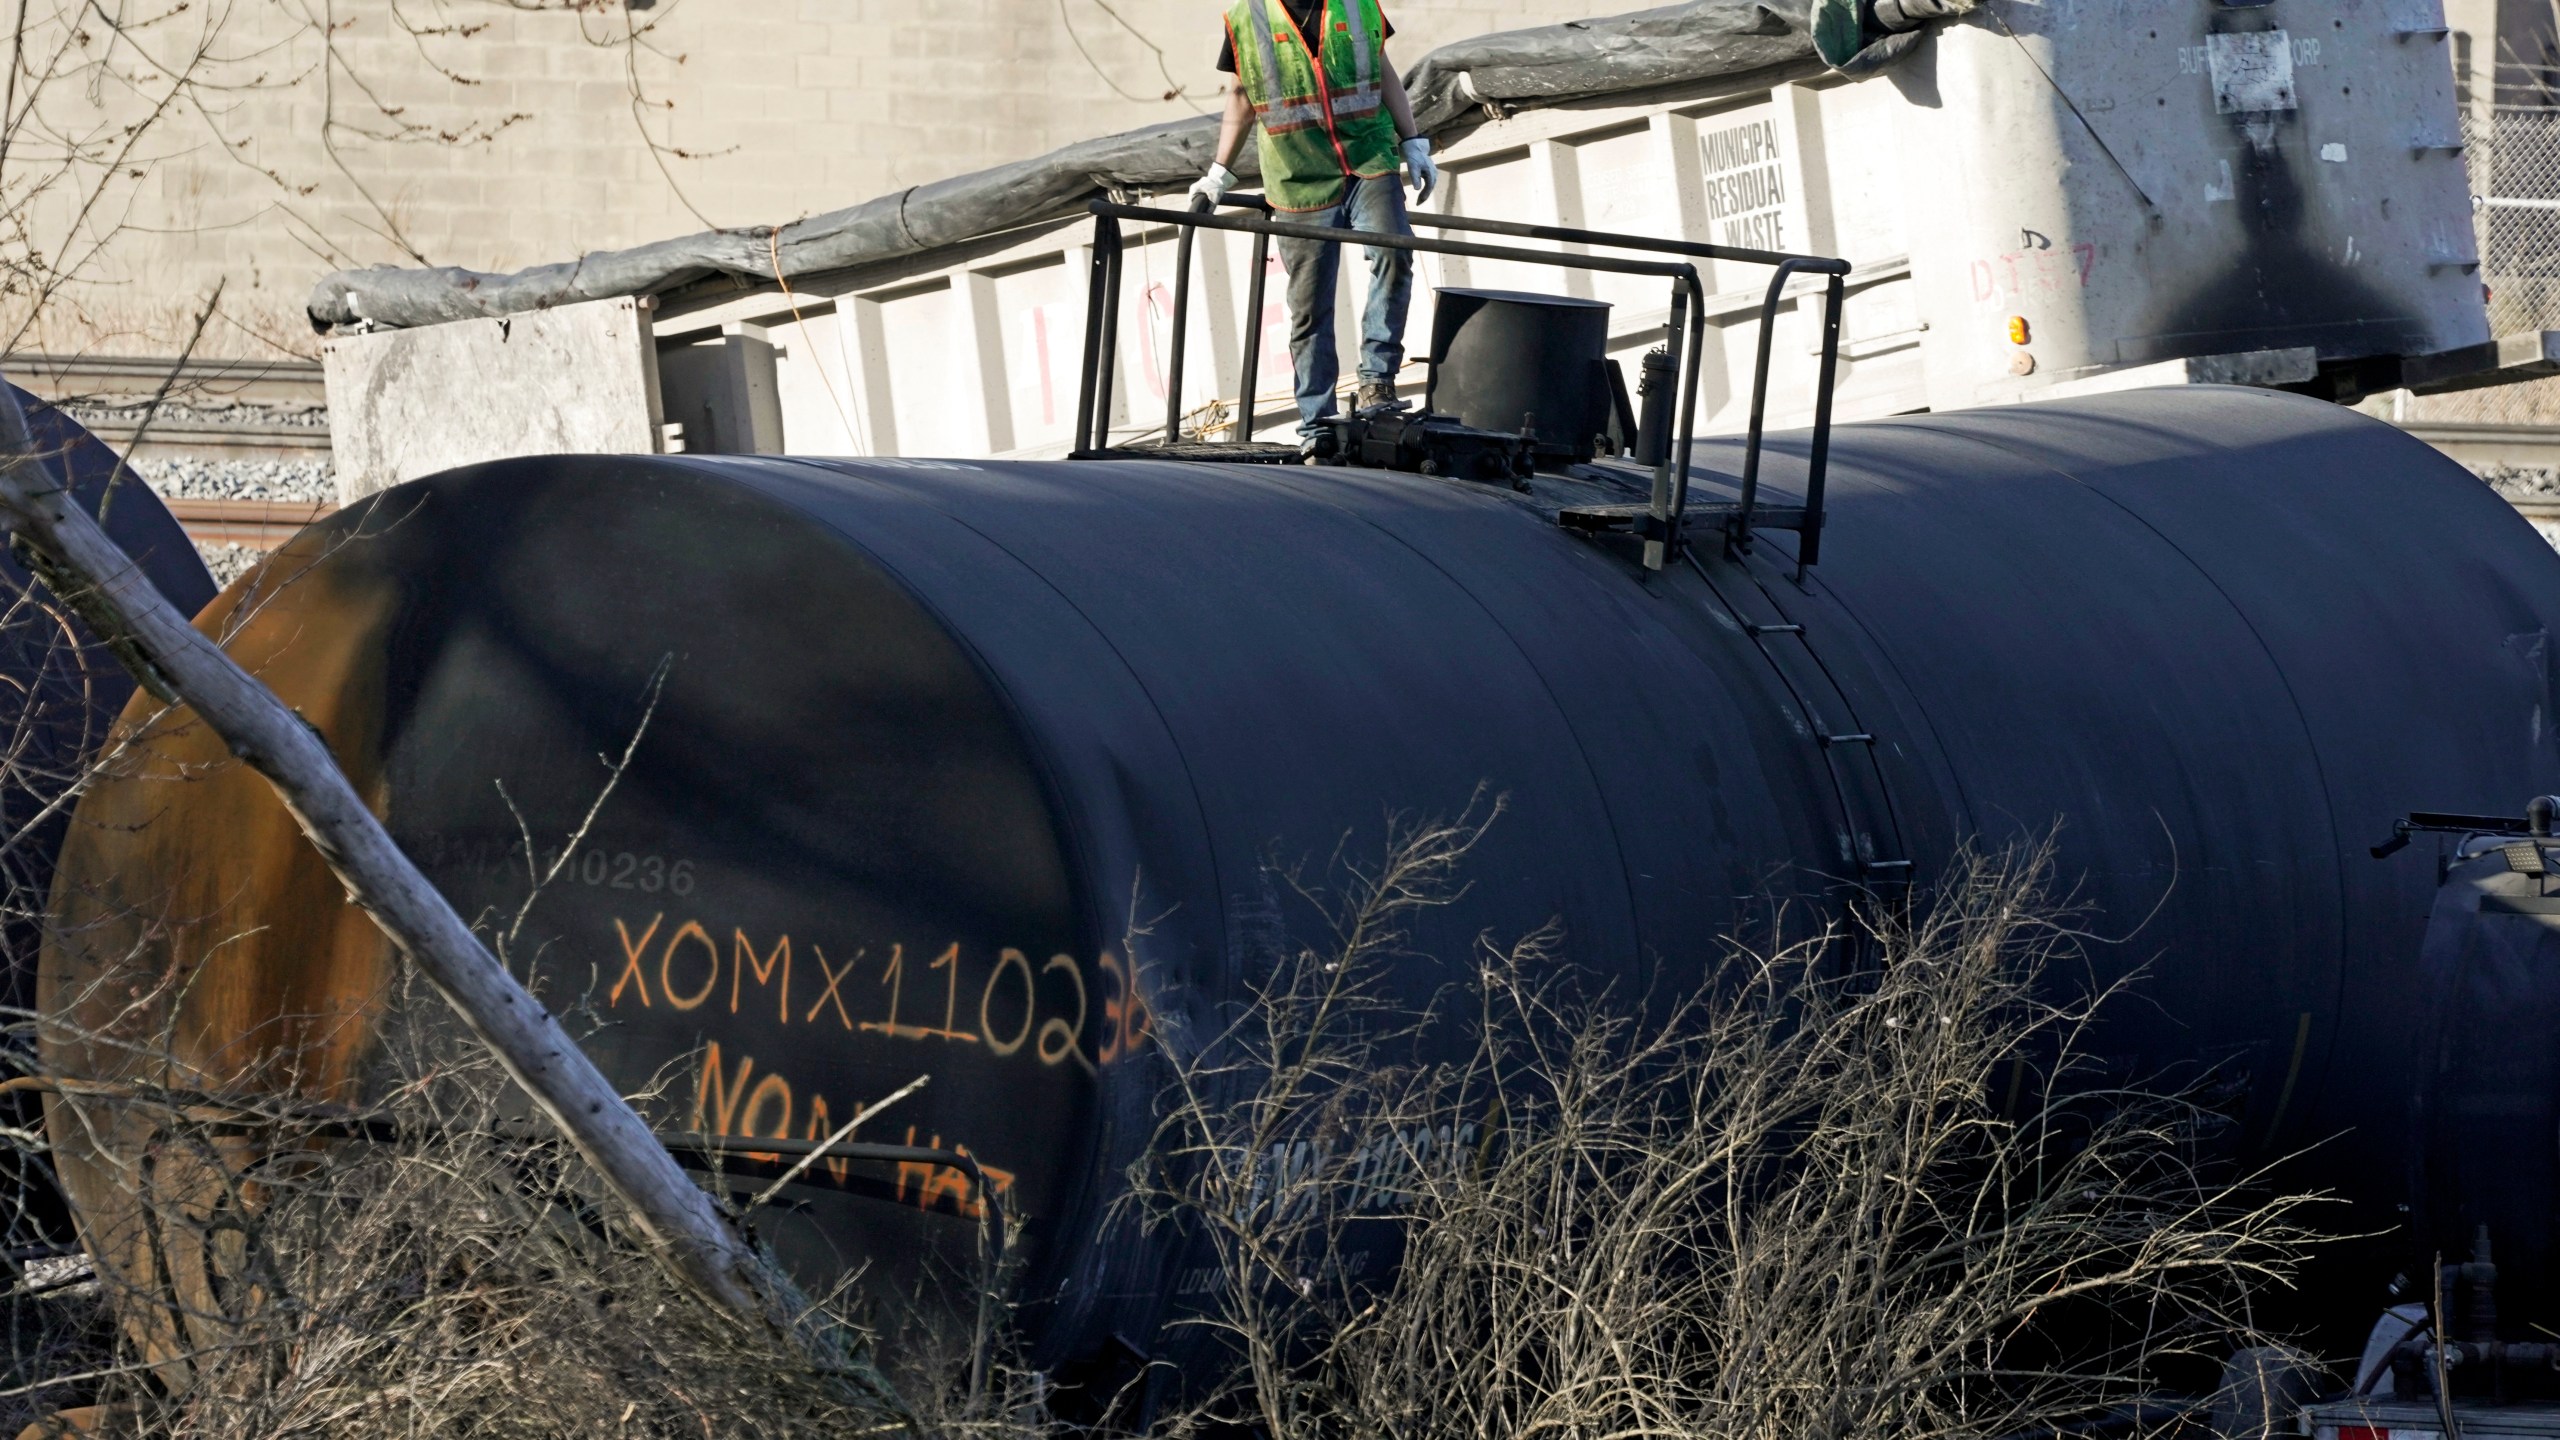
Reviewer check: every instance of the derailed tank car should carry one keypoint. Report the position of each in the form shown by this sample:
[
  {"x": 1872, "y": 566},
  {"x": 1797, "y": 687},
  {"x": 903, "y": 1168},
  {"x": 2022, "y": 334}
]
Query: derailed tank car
[
  {"x": 65, "y": 691},
  {"x": 979, "y": 769}
]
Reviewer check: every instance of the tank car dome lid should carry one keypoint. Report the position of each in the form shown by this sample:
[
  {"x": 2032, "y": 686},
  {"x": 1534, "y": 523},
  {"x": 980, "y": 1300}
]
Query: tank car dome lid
[{"x": 1524, "y": 297}]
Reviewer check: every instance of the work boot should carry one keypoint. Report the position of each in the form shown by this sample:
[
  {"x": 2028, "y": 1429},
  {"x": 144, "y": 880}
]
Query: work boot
[{"x": 1376, "y": 395}]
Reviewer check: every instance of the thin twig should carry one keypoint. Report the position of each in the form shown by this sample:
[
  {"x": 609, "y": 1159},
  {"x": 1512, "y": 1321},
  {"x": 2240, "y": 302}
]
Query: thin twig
[
  {"x": 160, "y": 397},
  {"x": 843, "y": 1133}
]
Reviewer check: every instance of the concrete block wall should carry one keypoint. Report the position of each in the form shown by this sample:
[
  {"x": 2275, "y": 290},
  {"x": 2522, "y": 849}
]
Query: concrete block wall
[{"x": 518, "y": 137}]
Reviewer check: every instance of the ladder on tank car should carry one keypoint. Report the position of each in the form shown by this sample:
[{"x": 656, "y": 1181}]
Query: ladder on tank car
[{"x": 1663, "y": 523}]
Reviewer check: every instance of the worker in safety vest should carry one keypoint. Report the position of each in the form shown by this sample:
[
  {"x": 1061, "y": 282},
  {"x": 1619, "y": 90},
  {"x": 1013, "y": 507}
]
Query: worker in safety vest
[{"x": 1314, "y": 75}]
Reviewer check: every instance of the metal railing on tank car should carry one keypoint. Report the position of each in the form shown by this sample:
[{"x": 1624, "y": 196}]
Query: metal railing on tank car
[{"x": 1668, "y": 511}]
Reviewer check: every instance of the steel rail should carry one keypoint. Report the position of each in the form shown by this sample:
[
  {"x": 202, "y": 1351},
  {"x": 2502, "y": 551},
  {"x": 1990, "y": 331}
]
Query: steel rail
[{"x": 259, "y": 524}]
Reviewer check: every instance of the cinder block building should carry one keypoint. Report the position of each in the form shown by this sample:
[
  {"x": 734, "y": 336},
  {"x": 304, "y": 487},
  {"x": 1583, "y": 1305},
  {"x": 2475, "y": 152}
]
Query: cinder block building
[{"x": 490, "y": 135}]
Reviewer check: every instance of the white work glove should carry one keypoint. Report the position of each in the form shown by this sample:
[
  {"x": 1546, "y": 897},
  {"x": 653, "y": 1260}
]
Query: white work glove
[
  {"x": 1418, "y": 166},
  {"x": 1213, "y": 187}
]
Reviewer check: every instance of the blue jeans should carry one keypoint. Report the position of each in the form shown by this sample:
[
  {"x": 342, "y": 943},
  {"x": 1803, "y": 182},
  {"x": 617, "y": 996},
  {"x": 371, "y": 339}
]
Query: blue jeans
[{"x": 1376, "y": 205}]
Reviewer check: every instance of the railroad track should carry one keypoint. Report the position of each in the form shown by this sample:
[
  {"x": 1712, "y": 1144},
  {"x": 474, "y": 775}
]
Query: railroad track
[
  {"x": 217, "y": 412},
  {"x": 258, "y": 524},
  {"x": 212, "y": 410}
]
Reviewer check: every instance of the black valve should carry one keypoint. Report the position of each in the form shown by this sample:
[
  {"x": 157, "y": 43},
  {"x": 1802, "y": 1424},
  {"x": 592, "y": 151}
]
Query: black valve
[{"x": 1654, "y": 387}]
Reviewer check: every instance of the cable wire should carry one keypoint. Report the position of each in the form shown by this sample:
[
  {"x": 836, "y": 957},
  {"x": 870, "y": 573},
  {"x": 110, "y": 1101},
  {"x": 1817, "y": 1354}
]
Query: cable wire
[{"x": 1174, "y": 89}]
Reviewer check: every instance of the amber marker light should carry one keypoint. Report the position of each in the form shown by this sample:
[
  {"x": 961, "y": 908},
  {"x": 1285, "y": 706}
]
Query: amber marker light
[{"x": 2017, "y": 329}]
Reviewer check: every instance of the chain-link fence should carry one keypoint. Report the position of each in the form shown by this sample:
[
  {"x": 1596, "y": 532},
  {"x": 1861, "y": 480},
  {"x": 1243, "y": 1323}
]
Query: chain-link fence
[{"x": 2514, "y": 157}]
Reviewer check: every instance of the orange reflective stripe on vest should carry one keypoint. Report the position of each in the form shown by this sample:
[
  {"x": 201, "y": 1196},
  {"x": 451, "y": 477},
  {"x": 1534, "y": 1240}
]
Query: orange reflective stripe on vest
[{"x": 1321, "y": 104}]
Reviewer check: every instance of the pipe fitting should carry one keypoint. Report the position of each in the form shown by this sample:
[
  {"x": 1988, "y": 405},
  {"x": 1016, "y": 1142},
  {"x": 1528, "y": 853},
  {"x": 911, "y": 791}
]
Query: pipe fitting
[{"x": 1902, "y": 15}]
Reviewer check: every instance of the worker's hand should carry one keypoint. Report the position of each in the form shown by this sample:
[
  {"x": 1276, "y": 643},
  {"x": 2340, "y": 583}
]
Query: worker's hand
[
  {"x": 1423, "y": 175},
  {"x": 1213, "y": 187}
]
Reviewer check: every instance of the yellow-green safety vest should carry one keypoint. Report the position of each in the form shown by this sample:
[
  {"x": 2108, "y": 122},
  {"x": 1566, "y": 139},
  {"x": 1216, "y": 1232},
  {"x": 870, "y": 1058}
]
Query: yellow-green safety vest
[{"x": 1322, "y": 119}]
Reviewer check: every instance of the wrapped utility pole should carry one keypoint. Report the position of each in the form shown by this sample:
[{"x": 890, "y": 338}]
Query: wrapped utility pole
[{"x": 86, "y": 570}]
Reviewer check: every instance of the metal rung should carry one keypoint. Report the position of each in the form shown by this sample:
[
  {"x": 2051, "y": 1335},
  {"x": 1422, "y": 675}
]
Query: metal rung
[
  {"x": 1860, "y": 738},
  {"x": 1636, "y": 520},
  {"x": 1724, "y": 513},
  {"x": 1884, "y": 865},
  {"x": 1774, "y": 629}
]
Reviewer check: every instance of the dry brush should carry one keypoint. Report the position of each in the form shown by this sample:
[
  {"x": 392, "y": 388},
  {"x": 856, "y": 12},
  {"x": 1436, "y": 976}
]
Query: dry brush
[{"x": 1868, "y": 1183}]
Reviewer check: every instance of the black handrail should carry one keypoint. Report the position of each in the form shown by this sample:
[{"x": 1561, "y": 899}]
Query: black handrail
[
  {"x": 1738, "y": 539},
  {"x": 1253, "y": 292},
  {"x": 1181, "y": 326},
  {"x": 1684, "y": 339},
  {"x": 1521, "y": 229},
  {"x": 1817, "y": 466}
]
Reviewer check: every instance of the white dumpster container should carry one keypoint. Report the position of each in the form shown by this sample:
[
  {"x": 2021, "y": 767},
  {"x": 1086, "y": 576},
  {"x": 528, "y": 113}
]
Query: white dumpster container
[{"x": 2042, "y": 198}]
